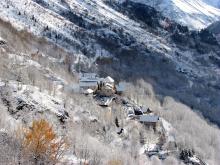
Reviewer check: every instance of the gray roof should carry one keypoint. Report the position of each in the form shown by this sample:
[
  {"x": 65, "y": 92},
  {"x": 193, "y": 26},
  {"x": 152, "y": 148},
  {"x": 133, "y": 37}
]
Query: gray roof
[
  {"x": 87, "y": 84},
  {"x": 149, "y": 118},
  {"x": 87, "y": 79},
  {"x": 88, "y": 75}
]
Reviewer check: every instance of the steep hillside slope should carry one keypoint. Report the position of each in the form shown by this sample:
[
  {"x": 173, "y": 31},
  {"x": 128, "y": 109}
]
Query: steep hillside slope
[
  {"x": 37, "y": 80},
  {"x": 68, "y": 22},
  {"x": 117, "y": 39},
  {"x": 36, "y": 83},
  {"x": 197, "y": 14},
  {"x": 31, "y": 87}
]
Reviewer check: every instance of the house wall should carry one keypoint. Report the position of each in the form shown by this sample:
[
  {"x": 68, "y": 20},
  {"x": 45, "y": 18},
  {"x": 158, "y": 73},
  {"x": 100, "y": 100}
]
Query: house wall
[
  {"x": 88, "y": 87},
  {"x": 150, "y": 125}
]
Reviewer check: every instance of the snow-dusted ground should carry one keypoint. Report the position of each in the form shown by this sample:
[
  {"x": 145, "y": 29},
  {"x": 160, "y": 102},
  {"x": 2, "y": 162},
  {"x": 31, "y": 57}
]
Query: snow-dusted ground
[
  {"x": 196, "y": 14},
  {"x": 41, "y": 100},
  {"x": 24, "y": 61}
]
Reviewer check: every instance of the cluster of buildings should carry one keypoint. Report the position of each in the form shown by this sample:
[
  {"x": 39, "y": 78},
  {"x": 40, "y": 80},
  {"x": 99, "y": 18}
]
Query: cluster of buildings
[
  {"x": 91, "y": 83},
  {"x": 105, "y": 90},
  {"x": 142, "y": 114}
]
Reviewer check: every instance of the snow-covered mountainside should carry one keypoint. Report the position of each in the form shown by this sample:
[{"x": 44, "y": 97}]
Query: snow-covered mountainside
[
  {"x": 129, "y": 38},
  {"x": 36, "y": 82},
  {"x": 169, "y": 70},
  {"x": 197, "y": 14},
  {"x": 71, "y": 18}
]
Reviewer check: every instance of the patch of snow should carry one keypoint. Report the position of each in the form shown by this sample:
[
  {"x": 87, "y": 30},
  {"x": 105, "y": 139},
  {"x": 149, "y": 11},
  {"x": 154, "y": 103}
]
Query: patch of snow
[
  {"x": 41, "y": 99},
  {"x": 109, "y": 80},
  {"x": 3, "y": 130},
  {"x": 168, "y": 129},
  {"x": 194, "y": 159},
  {"x": 70, "y": 160},
  {"x": 1, "y": 83},
  {"x": 76, "y": 119},
  {"x": 148, "y": 147},
  {"x": 166, "y": 125}
]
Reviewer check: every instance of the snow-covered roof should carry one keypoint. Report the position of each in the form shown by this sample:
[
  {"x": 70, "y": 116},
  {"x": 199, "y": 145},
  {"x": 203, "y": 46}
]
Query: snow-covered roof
[
  {"x": 109, "y": 80},
  {"x": 149, "y": 118},
  {"x": 88, "y": 91}
]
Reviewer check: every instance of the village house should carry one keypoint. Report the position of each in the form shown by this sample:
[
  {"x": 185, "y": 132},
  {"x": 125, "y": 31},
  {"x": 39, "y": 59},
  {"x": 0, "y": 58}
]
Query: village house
[
  {"x": 88, "y": 81},
  {"x": 106, "y": 87},
  {"x": 149, "y": 120}
]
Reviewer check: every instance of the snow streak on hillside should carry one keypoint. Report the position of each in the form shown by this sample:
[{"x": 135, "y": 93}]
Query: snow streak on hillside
[{"x": 196, "y": 14}]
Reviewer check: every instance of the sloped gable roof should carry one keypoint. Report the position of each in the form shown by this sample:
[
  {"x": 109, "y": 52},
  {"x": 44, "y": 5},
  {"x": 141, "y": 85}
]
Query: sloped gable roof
[
  {"x": 149, "y": 118},
  {"x": 109, "y": 80}
]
